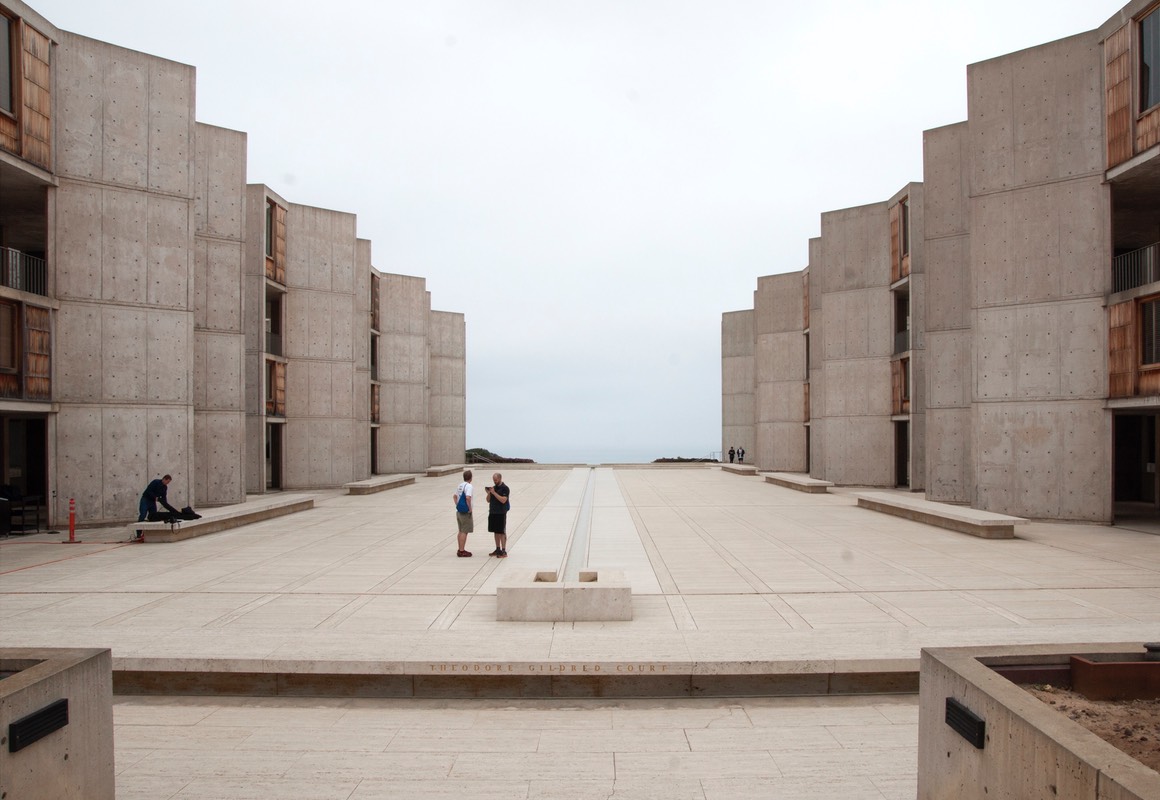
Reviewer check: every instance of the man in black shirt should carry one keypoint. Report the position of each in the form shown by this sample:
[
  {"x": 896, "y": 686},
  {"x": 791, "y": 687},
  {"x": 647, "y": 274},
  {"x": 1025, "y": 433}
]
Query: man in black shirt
[{"x": 497, "y": 508}]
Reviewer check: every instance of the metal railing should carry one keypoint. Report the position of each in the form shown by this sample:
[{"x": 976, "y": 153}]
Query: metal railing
[
  {"x": 24, "y": 272},
  {"x": 1136, "y": 268},
  {"x": 274, "y": 343}
]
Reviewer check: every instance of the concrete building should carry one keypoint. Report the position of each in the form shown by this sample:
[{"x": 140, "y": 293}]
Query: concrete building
[
  {"x": 158, "y": 315},
  {"x": 1026, "y": 383}
]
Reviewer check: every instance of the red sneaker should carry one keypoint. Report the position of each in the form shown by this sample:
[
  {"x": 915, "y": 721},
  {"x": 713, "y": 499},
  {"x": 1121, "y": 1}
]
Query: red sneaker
[{"x": 463, "y": 554}]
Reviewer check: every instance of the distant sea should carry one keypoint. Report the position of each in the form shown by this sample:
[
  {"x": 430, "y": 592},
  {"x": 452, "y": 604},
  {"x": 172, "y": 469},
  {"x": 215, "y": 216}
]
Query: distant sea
[{"x": 603, "y": 455}]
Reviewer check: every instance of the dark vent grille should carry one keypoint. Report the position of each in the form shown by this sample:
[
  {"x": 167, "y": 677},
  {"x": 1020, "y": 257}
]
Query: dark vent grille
[
  {"x": 37, "y": 725},
  {"x": 966, "y": 723}
]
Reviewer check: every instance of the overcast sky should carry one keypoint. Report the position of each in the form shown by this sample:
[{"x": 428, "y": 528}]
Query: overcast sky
[{"x": 591, "y": 182}]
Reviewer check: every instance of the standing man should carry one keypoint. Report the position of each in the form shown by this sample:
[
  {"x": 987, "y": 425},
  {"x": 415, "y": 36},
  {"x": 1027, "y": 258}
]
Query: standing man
[
  {"x": 497, "y": 508},
  {"x": 463, "y": 517},
  {"x": 732, "y": 453},
  {"x": 156, "y": 492},
  {"x": 740, "y": 455}
]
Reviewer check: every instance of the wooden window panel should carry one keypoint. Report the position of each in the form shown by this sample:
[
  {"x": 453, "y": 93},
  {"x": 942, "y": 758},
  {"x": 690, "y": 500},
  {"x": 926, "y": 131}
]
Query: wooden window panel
[{"x": 38, "y": 353}]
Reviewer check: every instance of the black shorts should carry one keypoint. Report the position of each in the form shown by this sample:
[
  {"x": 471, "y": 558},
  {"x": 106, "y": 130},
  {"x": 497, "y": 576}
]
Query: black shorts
[{"x": 497, "y": 523}]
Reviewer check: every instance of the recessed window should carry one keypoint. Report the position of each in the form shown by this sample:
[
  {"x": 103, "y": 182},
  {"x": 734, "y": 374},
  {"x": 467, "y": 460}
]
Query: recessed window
[
  {"x": 269, "y": 229},
  {"x": 1150, "y": 332},
  {"x": 9, "y": 361},
  {"x": 904, "y": 226},
  {"x": 7, "y": 95},
  {"x": 1150, "y": 60}
]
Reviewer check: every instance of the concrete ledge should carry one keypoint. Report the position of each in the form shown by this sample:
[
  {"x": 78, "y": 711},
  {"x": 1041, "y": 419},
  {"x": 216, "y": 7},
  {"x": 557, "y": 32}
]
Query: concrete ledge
[
  {"x": 446, "y": 469},
  {"x": 740, "y": 469},
  {"x": 983, "y": 524},
  {"x": 379, "y": 483},
  {"x": 1029, "y": 749},
  {"x": 538, "y": 596},
  {"x": 221, "y": 519},
  {"x": 510, "y": 679},
  {"x": 799, "y": 481},
  {"x": 73, "y": 758}
]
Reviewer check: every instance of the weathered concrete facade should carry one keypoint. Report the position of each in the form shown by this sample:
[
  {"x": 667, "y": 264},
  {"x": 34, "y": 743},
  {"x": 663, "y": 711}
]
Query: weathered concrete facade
[
  {"x": 737, "y": 387},
  {"x": 779, "y": 374},
  {"x": 174, "y": 320},
  {"x": 1031, "y": 300}
]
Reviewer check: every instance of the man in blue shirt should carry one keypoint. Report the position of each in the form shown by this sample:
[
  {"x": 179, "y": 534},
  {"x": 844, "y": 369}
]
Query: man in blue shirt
[{"x": 155, "y": 493}]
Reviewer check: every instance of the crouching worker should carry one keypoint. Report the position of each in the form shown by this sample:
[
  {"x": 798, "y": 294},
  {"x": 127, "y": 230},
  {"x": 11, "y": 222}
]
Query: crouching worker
[{"x": 156, "y": 492}]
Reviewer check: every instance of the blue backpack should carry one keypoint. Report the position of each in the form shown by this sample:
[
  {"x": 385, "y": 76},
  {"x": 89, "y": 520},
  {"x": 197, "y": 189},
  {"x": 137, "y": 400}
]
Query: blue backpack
[{"x": 461, "y": 503}]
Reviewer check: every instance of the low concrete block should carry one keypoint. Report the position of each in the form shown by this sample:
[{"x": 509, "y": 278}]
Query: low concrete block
[
  {"x": 445, "y": 469},
  {"x": 798, "y": 482},
  {"x": 74, "y": 761},
  {"x": 219, "y": 519},
  {"x": 530, "y": 596},
  {"x": 598, "y": 596},
  {"x": 984, "y": 524},
  {"x": 379, "y": 483},
  {"x": 539, "y": 596}
]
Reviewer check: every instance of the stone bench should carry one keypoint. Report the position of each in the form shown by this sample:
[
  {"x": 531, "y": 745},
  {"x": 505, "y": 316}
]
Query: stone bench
[
  {"x": 445, "y": 469},
  {"x": 984, "y": 524},
  {"x": 799, "y": 482},
  {"x": 379, "y": 483},
  {"x": 220, "y": 519},
  {"x": 740, "y": 469}
]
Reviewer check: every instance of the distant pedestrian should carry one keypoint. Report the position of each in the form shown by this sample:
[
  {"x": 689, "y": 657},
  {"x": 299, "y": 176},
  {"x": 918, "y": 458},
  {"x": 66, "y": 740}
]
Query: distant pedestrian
[
  {"x": 732, "y": 453},
  {"x": 498, "y": 506},
  {"x": 740, "y": 455},
  {"x": 463, "y": 518}
]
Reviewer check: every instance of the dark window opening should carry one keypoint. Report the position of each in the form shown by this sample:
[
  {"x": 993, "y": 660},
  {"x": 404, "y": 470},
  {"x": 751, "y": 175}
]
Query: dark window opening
[
  {"x": 7, "y": 74},
  {"x": 1150, "y": 332},
  {"x": 904, "y": 227},
  {"x": 269, "y": 229},
  {"x": 1150, "y": 60}
]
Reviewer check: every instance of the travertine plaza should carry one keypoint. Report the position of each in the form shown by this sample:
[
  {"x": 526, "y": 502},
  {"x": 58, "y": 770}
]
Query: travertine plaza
[{"x": 740, "y": 589}]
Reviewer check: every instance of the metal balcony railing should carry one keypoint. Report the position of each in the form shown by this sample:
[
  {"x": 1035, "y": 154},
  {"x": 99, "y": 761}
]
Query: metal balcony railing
[
  {"x": 274, "y": 343},
  {"x": 1136, "y": 268},
  {"x": 24, "y": 272}
]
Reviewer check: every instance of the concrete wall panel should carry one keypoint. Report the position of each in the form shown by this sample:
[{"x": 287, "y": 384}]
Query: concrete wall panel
[
  {"x": 945, "y": 179},
  {"x": 949, "y": 367},
  {"x": 170, "y": 252},
  {"x": 124, "y": 438},
  {"x": 78, "y": 329},
  {"x": 218, "y": 285},
  {"x": 169, "y": 356},
  {"x": 125, "y": 345},
  {"x": 124, "y": 249},
  {"x": 1023, "y": 105},
  {"x": 171, "y": 127},
  {"x": 1044, "y": 351},
  {"x": 1040, "y": 243},
  {"x": 220, "y": 183},
  {"x": 1044, "y": 461},
  {"x": 949, "y": 455},
  {"x": 221, "y": 446},
  {"x": 78, "y": 244},
  {"x": 220, "y": 382}
]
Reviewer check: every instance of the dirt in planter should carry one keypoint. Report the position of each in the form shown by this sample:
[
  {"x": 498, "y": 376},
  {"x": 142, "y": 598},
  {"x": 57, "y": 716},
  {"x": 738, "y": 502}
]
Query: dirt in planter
[{"x": 1131, "y": 725}]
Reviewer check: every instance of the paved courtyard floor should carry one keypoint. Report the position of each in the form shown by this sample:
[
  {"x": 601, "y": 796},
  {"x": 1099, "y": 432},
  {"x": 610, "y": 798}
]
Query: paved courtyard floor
[{"x": 727, "y": 571}]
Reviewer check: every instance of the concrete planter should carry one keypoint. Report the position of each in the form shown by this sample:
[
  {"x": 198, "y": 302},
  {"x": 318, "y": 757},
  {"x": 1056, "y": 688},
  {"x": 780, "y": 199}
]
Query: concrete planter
[
  {"x": 1026, "y": 749},
  {"x": 56, "y": 724}
]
